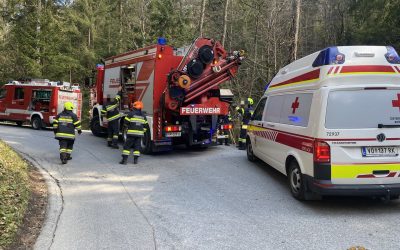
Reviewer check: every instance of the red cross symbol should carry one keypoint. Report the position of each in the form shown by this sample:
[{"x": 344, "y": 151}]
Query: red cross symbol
[
  {"x": 295, "y": 105},
  {"x": 396, "y": 103}
]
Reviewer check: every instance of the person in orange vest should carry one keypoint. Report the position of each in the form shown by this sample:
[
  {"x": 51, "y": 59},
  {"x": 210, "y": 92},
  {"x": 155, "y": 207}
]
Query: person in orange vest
[{"x": 135, "y": 123}]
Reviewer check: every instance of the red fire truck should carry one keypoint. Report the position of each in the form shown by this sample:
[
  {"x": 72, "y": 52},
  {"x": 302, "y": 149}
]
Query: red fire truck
[
  {"x": 37, "y": 101},
  {"x": 179, "y": 89}
]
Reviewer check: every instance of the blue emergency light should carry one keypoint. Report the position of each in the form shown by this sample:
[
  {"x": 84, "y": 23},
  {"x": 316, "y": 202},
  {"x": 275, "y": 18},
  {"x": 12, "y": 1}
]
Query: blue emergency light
[
  {"x": 392, "y": 56},
  {"x": 162, "y": 41},
  {"x": 99, "y": 66},
  {"x": 329, "y": 56}
]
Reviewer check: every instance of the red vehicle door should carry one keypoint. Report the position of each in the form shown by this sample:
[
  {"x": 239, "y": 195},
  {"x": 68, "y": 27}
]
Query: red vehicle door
[
  {"x": 18, "y": 108},
  {"x": 3, "y": 103}
]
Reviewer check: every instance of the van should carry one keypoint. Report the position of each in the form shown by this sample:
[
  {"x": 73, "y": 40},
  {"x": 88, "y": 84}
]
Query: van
[{"x": 330, "y": 122}]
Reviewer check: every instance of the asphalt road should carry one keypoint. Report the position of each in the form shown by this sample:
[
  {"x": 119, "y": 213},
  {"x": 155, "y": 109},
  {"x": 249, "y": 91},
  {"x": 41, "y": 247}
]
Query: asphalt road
[{"x": 207, "y": 199}]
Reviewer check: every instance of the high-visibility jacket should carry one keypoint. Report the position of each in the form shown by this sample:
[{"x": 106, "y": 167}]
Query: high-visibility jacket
[
  {"x": 248, "y": 112},
  {"x": 136, "y": 123},
  {"x": 111, "y": 110},
  {"x": 64, "y": 125}
]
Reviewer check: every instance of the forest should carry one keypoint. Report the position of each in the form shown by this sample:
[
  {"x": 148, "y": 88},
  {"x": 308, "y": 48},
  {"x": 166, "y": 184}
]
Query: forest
[{"x": 65, "y": 39}]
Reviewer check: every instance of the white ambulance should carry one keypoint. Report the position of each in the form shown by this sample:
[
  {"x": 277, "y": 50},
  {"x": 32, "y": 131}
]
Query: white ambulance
[{"x": 331, "y": 122}]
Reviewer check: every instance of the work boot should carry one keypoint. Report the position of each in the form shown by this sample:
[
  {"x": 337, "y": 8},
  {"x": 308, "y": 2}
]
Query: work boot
[
  {"x": 115, "y": 146},
  {"x": 135, "y": 159},
  {"x": 63, "y": 158},
  {"x": 124, "y": 160},
  {"x": 109, "y": 144},
  {"x": 69, "y": 157}
]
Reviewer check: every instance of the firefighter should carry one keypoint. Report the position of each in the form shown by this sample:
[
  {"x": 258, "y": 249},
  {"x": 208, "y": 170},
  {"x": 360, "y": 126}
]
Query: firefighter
[
  {"x": 136, "y": 123},
  {"x": 111, "y": 111},
  {"x": 247, "y": 113},
  {"x": 225, "y": 120},
  {"x": 64, "y": 126}
]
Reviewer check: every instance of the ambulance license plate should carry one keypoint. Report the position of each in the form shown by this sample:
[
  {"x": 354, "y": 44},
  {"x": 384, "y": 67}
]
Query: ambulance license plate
[
  {"x": 173, "y": 134},
  {"x": 380, "y": 151}
]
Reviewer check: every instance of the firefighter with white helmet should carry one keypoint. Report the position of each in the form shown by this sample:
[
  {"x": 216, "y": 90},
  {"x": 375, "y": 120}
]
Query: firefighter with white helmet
[
  {"x": 246, "y": 117},
  {"x": 136, "y": 124},
  {"x": 64, "y": 126}
]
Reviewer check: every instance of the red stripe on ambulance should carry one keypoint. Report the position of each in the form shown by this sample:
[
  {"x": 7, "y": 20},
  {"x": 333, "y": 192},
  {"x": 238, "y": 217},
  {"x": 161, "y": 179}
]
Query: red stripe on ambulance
[
  {"x": 312, "y": 75},
  {"x": 367, "y": 68}
]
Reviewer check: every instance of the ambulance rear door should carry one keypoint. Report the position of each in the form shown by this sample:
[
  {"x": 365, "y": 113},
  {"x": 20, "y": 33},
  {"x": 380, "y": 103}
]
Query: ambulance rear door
[{"x": 362, "y": 127}]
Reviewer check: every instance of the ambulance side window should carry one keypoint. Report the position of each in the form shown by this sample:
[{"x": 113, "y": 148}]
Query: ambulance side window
[
  {"x": 274, "y": 108},
  {"x": 259, "y": 110},
  {"x": 19, "y": 94},
  {"x": 296, "y": 109}
]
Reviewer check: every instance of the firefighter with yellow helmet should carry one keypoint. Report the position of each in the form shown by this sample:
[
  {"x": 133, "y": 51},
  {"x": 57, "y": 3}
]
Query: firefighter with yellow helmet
[
  {"x": 64, "y": 126},
  {"x": 136, "y": 124},
  {"x": 246, "y": 117}
]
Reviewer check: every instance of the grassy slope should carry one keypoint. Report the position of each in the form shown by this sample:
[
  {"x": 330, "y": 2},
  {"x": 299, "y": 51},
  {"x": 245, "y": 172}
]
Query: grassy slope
[{"x": 14, "y": 193}]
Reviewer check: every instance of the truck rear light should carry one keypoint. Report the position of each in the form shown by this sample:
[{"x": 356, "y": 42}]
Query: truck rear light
[
  {"x": 173, "y": 128},
  {"x": 53, "y": 110},
  {"x": 322, "y": 152},
  {"x": 226, "y": 126}
]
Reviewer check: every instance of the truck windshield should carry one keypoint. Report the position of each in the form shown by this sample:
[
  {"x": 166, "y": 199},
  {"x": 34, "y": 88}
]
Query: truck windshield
[
  {"x": 355, "y": 109},
  {"x": 3, "y": 93}
]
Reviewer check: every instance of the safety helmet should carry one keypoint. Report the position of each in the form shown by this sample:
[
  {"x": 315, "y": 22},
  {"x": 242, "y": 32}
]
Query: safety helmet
[
  {"x": 68, "y": 106},
  {"x": 138, "y": 105},
  {"x": 250, "y": 101}
]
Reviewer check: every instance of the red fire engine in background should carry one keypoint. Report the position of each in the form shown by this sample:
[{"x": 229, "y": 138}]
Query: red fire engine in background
[
  {"x": 37, "y": 101},
  {"x": 179, "y": 89}
]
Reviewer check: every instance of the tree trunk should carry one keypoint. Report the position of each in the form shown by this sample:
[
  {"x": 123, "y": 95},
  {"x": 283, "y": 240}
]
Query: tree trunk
[
  {"x": 225, "y": 22},
  {"x": 38, "y": 29},
  {"x": 203, "y": 9},
  {"x": 297, "y": 29}
]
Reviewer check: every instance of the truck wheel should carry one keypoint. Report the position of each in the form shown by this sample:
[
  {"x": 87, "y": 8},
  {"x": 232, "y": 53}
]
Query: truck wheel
[
  {"x": 19, "y": 123},
  {"x": 95, "y": 127},
  {"x": 296, "y": 181},
  {"x": 36, "y": 123},
  {"x": 146, "y": 143}
]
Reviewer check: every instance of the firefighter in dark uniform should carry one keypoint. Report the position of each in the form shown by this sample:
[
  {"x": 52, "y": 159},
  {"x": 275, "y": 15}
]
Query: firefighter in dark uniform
[
  {"x": 136, "y": 123},
  {"x": 225, "y": 120},
  {"x": 64, "y": 126},
  {"x": 246, "y": 116},
  {"x": 111, "y": 112}
]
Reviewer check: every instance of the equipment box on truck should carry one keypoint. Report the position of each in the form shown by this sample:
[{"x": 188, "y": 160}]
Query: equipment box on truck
[
  {"x": 37, "y": 101},
  {"x": 331, "y": 122}
]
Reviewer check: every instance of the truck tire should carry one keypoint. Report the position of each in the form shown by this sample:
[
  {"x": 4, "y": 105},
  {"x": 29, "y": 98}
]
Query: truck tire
[
  {"x": 36, "y": 123},
  {"x": 147, "y": 144},
  {"x": 95, "y": 127}
]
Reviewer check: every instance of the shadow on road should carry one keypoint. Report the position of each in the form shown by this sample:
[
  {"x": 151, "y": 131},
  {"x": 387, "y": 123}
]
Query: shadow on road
[{"x": 331, "y": 204}]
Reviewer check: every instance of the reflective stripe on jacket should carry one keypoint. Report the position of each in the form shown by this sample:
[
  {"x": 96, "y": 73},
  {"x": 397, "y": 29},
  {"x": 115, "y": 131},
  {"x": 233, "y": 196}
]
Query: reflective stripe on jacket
[
  {"x": 111, "y": 110},
  {"x": 136, "y": 123},
  {"x": 64, "y": 125}
]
